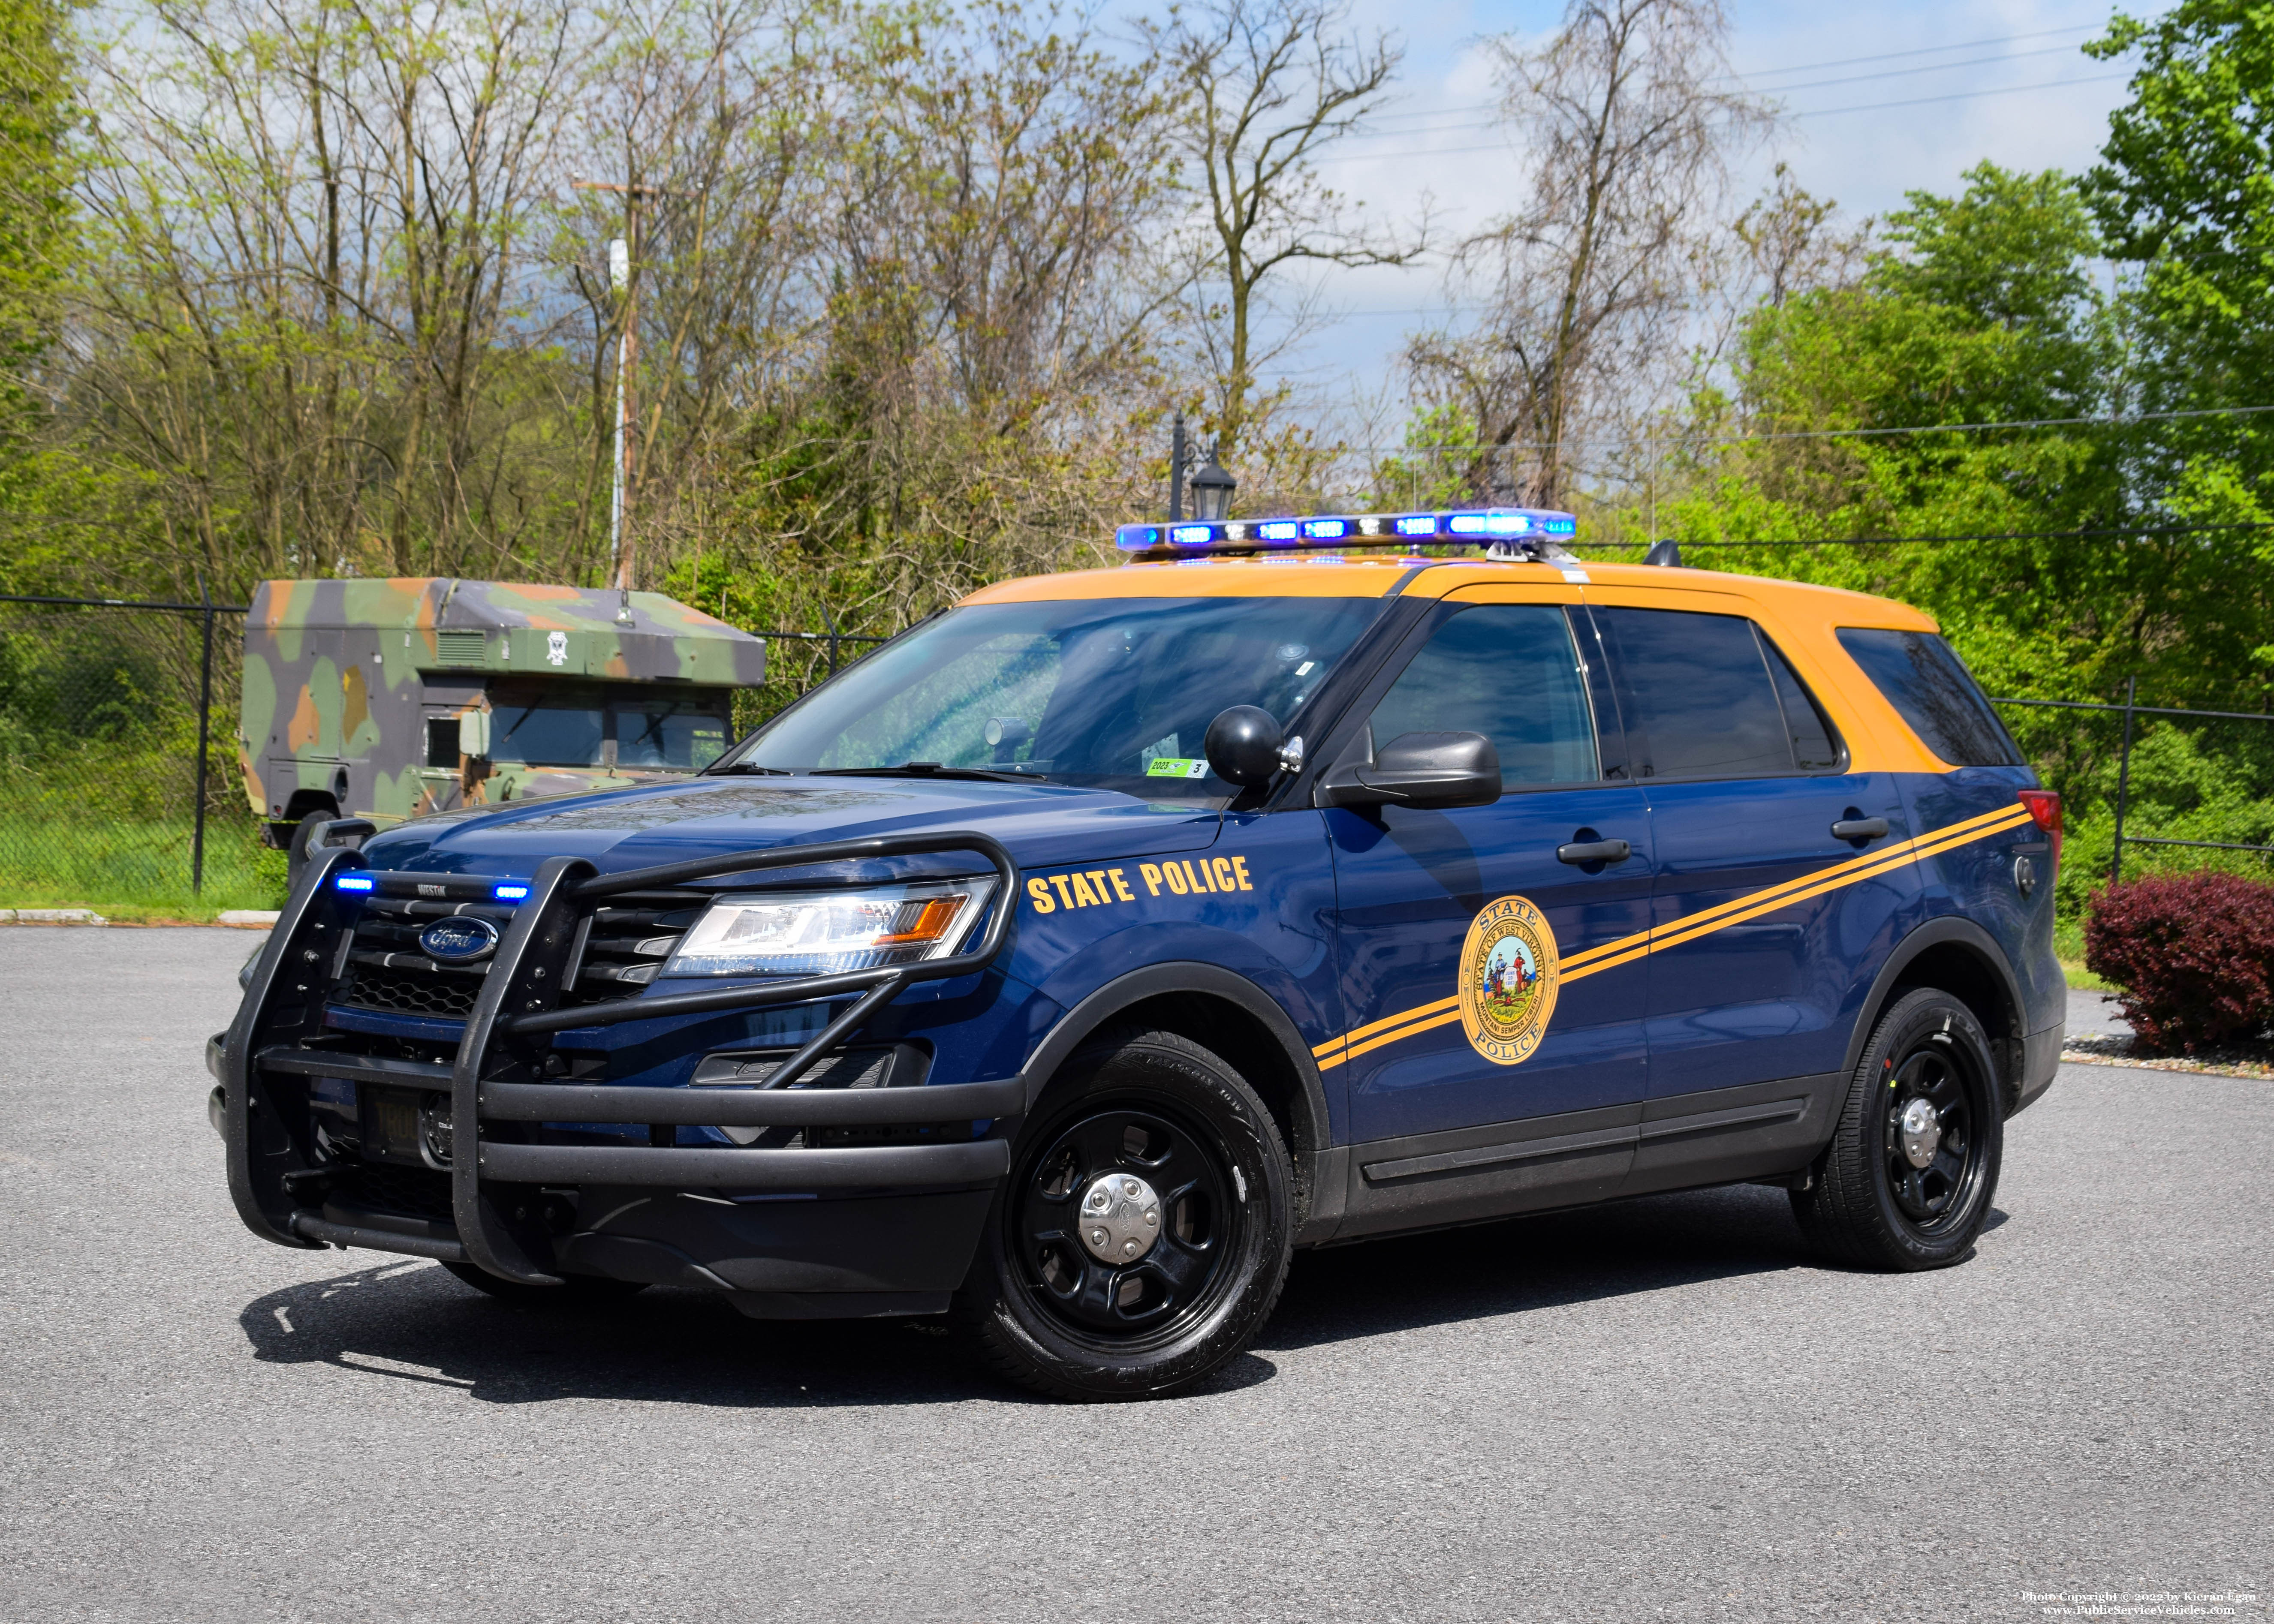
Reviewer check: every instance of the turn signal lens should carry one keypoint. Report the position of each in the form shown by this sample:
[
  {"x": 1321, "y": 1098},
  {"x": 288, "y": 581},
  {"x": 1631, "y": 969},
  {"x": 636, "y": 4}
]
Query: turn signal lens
[{"x": 2044, "y": 808}]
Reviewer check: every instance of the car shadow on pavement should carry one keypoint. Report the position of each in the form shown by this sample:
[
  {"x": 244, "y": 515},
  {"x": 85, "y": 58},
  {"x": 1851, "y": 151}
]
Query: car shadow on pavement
[
  {"x": 411, "y": 1321},
  {"x": 1510, "y": 1264}
]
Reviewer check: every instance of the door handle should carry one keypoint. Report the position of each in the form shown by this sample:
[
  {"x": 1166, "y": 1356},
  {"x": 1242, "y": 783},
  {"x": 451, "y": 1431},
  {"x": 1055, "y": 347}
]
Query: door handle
[
  {"x": 1859, "y": 829},
  {"x": 1593, "y": 851}
]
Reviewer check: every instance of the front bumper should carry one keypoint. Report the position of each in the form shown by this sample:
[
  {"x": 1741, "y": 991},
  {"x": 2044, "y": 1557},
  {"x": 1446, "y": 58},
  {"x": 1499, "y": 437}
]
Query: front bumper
[{"x": 803, "y": 1231}]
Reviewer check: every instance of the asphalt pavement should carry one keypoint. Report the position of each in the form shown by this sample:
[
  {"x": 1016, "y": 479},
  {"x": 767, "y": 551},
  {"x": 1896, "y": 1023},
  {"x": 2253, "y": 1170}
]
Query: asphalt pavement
[{"x": 1659, "y": 1409}]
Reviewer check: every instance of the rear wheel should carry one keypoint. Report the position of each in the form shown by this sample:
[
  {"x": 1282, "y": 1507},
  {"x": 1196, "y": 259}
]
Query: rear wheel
[
  {"x": 1913, "y": 1162},
  {"x": 574, "y": 1288},
  {"x": 1143, "y": 1236}
]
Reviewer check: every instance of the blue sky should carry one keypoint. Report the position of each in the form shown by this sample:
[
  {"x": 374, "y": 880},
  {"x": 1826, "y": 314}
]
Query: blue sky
[{"x": 2004, "y": 80}]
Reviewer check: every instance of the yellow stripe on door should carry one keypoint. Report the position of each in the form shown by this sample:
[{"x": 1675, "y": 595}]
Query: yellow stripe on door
[{"x": 1625, "y": 950}]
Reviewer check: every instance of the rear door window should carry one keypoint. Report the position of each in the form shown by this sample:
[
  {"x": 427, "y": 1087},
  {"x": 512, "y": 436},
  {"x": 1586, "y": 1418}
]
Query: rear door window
[
  {"x": 1708, "y": 697},
  {"x": 1932, "y": 690}
]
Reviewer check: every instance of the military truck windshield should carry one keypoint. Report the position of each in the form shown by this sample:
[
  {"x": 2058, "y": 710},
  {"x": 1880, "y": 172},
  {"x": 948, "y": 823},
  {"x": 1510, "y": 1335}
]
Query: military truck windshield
[
  {"x": 1114, "y": 692},
  {"x": 575, "y": 729}
]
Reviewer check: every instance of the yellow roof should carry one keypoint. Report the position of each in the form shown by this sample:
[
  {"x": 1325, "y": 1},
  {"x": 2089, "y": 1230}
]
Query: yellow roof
[{"x": 1802, "y": 619}]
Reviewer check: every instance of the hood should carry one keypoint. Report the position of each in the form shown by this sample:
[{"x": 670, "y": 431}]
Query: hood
[{"x": 1042, "y": 824}]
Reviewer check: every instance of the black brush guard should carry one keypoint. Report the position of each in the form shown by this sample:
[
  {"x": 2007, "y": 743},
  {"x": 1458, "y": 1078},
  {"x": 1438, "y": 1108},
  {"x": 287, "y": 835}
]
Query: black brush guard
[{"x": 517, "y": 1002}]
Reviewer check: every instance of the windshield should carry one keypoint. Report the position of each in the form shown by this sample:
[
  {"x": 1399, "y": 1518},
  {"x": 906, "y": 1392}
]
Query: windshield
[
  {"x": 588, "y": 729},
  {"x": 1111, "y": 694}
]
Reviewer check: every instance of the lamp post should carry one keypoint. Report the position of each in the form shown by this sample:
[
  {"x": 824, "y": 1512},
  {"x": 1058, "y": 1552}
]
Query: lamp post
[
  {"x": 1212, "y": 487},
  {"x": 1212, "y": 490}
]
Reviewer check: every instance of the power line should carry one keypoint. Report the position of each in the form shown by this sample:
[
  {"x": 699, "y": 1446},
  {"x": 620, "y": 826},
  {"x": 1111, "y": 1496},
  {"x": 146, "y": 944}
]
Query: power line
[
  {"x": 1884, "y": 541},
  {"x": 1695, "y": 436},
  {"x": 1926, "y": 50},
  {"x": 1854, "y": 78},
  {"x": 1962, "y": 95},
  {"x": 1347, "y": 156},
  {"x": 1808, "y": 67}
]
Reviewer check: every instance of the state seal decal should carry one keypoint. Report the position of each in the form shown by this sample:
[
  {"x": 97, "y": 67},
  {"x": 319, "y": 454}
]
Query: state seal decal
[{"x": 1507, "y": 981}]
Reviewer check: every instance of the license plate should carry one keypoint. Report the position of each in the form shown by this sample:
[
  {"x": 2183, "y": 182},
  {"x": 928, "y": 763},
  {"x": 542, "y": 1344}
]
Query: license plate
[{"x": 393, "y": 1123}]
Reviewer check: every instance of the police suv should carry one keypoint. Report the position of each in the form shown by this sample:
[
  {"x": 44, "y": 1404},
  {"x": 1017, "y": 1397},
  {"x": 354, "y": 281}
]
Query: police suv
[{"x": 1075, "y": 957}]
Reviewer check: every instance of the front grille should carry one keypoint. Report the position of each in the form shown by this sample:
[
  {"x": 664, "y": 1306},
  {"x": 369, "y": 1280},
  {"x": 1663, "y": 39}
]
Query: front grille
[
  {"x": 412, "y": 992},
  {"x": 385, "y": 970},
  {"x": 627, "y": 941},
  {"x": 620, "y": 947}
]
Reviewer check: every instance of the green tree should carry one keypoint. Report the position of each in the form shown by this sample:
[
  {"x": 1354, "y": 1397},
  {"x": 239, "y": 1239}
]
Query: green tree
[{"x": 2185, "y": 196}]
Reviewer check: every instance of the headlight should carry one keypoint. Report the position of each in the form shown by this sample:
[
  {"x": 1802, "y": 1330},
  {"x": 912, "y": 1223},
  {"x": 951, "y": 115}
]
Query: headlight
[{"x": 820, "y": 932}]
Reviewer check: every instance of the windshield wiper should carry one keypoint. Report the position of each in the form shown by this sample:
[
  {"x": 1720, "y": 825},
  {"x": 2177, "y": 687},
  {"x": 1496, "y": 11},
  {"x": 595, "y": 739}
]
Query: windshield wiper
[
  {"x": 752, "y": 767},
  {"x": 928, "y": 769}
]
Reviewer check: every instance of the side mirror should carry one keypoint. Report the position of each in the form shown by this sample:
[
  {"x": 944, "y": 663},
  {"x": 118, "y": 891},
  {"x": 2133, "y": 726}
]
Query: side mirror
[
  {"x": 474, "y": 733},
  {"x": 1417, "y": 770},
  {"x": 1243, "y": 745}
]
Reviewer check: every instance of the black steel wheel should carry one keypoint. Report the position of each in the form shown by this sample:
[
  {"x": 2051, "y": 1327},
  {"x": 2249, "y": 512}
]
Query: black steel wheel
[
  {"x": 1143, "y": 1235},
  {"x": 1908, "y": 1180},
  {"x": 1125, "y": 1220}
]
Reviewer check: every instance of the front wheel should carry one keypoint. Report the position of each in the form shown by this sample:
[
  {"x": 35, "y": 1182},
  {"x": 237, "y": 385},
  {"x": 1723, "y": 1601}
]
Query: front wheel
[
  {"x": 1143, "y": 1236},
  {"x": 1914, "y": 1162}
]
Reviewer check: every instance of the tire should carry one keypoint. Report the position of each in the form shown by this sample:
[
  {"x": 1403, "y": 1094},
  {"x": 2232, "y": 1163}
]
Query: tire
[
  {"x": 297, "y": 850},
  {"x": 1876, "y": 1205},
  {"x": 576, "y": 1290},
  {"x": 1174, "y": 1299}
]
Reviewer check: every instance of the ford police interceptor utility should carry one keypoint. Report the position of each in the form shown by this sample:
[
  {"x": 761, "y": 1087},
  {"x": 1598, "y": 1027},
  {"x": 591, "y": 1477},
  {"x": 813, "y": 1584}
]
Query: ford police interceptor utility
[{"x": 1073, "y": 958}]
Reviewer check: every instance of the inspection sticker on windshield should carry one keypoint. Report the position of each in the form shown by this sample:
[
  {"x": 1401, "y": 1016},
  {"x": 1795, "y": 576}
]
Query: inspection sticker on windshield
[{"x": 1176, "y": 767}]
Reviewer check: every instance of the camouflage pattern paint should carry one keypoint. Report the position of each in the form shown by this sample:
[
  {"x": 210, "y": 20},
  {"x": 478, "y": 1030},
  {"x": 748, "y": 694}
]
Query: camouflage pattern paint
[{"x": 344, "y": 679}]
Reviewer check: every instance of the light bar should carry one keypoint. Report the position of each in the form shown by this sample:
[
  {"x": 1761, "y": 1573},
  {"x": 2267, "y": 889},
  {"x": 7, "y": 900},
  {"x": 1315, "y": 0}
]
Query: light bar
[
  {"x": 354, "y": 881},
  {"x": 511, "y": 893},
  {"x": 1486, "y": 526}
]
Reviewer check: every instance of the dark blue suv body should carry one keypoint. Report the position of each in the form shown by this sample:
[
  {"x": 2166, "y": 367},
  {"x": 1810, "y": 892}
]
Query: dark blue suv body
[{"x": 1075, "y": 958}]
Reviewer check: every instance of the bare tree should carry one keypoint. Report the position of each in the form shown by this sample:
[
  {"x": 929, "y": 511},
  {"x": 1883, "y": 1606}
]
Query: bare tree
[
  {"x": 1268, "y": 86},
  {"x": 1631, "y": 118}
]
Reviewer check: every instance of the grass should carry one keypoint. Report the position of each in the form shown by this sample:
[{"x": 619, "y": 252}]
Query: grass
[{"x": 136, "y": 871}]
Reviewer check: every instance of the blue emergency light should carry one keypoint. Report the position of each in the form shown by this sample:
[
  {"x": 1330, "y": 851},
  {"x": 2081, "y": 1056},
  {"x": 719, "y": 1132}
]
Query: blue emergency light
[
  {"x": 354, "y": 881},
  {"x": 1519, "y": 527},
  {"x": 511, "y": 893}
]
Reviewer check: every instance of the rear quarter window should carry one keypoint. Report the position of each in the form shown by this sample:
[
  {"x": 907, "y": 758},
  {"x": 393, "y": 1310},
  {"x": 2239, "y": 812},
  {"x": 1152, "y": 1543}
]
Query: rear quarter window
[{"x": 1932, "y": 690}]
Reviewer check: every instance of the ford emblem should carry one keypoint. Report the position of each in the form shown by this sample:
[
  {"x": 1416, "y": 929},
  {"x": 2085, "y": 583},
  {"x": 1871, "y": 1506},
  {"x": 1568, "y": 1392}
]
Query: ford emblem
[{"x": 459, "y": 941}]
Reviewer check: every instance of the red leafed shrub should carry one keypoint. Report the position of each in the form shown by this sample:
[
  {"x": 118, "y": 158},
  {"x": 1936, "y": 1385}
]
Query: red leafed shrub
[{"x": 2194, "y": 954}]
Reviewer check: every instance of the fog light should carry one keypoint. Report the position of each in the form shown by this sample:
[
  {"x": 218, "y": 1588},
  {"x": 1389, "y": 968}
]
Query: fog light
[{"x": 434, "y": 1131}]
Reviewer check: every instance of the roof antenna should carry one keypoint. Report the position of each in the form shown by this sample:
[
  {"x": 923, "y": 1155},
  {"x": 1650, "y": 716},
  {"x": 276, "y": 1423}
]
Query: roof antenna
[
  {"x": 1666, "y": 552},
  {"x": 624, "y": 606}
]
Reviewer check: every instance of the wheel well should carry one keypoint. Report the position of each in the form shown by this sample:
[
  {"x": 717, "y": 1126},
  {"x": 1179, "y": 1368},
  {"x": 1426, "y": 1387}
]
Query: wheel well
[
  {"x": 1958, "y": 970},
  {"x": 1246, "y": 1046},
  {"x": 308, "y": 803}
]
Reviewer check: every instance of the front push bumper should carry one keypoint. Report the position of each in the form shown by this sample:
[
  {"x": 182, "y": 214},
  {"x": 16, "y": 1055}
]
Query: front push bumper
[{"x": 813, "y": 1231}]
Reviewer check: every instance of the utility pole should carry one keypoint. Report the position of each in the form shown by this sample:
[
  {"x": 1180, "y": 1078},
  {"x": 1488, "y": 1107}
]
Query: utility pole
[{"x": 623, "y": 259}]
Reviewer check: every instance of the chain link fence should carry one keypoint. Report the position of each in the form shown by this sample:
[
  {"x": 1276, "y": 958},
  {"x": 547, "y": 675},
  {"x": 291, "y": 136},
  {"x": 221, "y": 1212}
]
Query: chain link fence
[
  {"x": 117, "y": 726},
  {"x": 118, "y": 753},
  {"x": 2151, "y": 787},
  {"x": 118, "y": 747}
]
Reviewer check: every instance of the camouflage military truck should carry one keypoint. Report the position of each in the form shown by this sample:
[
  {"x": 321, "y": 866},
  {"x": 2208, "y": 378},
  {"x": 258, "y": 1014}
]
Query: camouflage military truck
[{"x": 391, "y": 699}]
